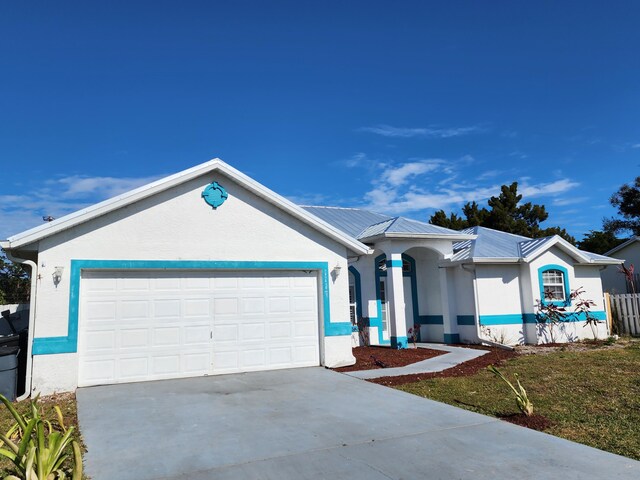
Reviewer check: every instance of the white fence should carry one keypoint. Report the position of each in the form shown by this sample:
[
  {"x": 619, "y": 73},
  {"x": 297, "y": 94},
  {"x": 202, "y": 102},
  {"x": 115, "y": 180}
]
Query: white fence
[{"x": 626, "y": 313}]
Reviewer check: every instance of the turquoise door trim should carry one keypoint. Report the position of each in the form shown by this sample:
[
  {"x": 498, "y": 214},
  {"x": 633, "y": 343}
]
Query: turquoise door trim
[
  {"x": 377, "y": 322},
  {"x": 358, "y": 287},
  {"x": 69, "y": 344}
]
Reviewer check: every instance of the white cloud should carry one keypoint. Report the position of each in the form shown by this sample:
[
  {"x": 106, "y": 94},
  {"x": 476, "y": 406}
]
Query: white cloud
[
  {"x": 552, "y": 188},
  {"x": 425, "y": 132},
  {"x": 79, "y": 186},
  {"x": 635, "y": 145},
  {"x": 560, "y": 202},
  {"x": 59, "y": 197},
  {"x": 428, "y": 184},
  {"x": 399, "y": 175}
]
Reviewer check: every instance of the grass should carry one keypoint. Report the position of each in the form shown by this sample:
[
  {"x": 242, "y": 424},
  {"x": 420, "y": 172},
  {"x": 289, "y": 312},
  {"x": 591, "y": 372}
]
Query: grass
[
  {"x": 67, "y": 404},
  {"x": 591, "y": 397}
]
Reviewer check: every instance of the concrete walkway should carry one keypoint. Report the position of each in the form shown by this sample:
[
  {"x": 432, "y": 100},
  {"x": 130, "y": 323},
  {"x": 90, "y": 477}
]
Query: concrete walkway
[
  {"x": 455, "y": 356},
  {"x": 313, "y": 424}
]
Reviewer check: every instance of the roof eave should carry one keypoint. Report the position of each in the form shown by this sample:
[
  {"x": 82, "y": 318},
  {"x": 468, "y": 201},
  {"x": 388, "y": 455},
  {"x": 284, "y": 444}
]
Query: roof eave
[
  {"x": 102, "y": 208},
  {"x": 622, "y": 245}
]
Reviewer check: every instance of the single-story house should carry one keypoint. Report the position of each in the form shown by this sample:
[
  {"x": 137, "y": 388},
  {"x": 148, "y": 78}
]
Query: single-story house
[
  {"x": 613, "y": 280},
  {"x": 209, "y": 272}
]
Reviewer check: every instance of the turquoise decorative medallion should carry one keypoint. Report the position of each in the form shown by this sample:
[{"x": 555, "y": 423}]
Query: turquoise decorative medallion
[{"x": 214, "y": 194}]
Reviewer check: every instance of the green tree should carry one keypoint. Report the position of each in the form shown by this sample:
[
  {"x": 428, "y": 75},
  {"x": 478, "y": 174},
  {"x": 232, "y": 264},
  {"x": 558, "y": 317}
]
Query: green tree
[
  {"x": 14, "y": 282},
  {"x": 505, "y": 213},
  {"x": 627, "y": 201},
  {"x": 599, "y": 242}
]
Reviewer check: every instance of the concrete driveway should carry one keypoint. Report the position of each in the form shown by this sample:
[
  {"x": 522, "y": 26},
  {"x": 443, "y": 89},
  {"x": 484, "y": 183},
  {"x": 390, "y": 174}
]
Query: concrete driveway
[{"x": 313, "y": 423}]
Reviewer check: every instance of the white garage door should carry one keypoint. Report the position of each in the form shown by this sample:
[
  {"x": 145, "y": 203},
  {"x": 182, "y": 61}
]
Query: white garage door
[{"x": 150, "y": 325}]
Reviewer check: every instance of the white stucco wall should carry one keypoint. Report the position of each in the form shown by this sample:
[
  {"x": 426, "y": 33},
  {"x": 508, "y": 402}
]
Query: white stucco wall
[
  {"x": 585, "y": 276},
  {"x": 464, "y": 302},
  {"x": 178, "y": 225},
  {"x": 499, "y": 296}
]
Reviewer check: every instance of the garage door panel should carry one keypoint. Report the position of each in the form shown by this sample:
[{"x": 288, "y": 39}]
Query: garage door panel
[{"x": 148, "y": 325}]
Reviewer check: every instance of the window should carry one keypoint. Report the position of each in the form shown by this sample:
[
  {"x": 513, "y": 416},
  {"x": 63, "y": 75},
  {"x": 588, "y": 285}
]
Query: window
[
  {"x": 353, "y": 300},
  {"x": 553, "y": 283},
  {"x": 406, "y": 266}
]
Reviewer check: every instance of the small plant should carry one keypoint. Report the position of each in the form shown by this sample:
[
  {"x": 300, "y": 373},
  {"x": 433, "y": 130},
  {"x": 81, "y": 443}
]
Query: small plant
[
  {"x": 583, "y": 308},
  {"x": 522, "y": 400},
  {"x": 629, "y": 276},
  {"x": 38, "y": 448},
  {"x": 550, "y": 314},
  {"x": 414, "y": 332}
]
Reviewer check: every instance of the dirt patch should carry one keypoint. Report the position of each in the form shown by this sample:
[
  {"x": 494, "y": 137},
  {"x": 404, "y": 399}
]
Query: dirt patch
[
  {"x": 495, "y": 357},
  {"x": 371, "y": 358},
  {"x": 535, "y": 422},
  {"x": 547, "y": 348}
]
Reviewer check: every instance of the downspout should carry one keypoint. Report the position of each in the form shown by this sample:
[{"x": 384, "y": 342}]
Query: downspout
[
  {"x": 32, "y": 316},
  {"x": 476, "y": 314}
]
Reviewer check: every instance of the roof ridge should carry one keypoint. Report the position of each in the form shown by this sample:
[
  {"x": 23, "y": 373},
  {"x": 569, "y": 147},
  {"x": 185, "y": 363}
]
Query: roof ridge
[{"x": 506, "y": 233}]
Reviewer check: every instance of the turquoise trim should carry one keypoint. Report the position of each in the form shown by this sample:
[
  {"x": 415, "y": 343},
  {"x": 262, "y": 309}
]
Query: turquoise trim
[
  {"x": 69, "y": 344},
  {"x": 399, "y": 342},
  {"x": 571, "y": 317},
  {"x": 466, "y": 320},
  {"x": 451, "y": 338},
  {"x": 567, "y": 292},
  {"x": 431, "y": 320},
  {"x": 510, "y": 319},
  {"x": 531, "y": 318},
  {"x": 377, "y": 322},
  {"x": 214, "y": 194},
  {"x": 358, "y": 287}
]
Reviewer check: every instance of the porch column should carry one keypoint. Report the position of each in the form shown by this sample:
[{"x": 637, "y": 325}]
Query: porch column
[
  {"x": 449, "y": 319},
  {"x": 395, "y": 294}
]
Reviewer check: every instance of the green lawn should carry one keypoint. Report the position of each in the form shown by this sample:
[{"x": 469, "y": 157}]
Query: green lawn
[{"x": 592, "y": 396}]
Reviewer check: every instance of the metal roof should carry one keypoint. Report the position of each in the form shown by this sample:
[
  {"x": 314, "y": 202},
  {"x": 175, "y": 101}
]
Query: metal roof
[
  {"x": 351, "y": 221},
  {"x": 494, "y": 244},
  {"x": 363, "y": 224}
]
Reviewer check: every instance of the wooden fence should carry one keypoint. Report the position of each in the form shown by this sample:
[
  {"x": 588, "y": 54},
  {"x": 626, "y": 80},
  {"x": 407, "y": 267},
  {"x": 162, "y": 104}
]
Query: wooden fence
[{"x": 625, "y": 310}]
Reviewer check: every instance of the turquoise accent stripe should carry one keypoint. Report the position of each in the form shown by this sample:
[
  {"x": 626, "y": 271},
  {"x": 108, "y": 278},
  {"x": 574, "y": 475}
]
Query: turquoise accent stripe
[
  {"x": 431, "y": 320},
  {"x": 69, "y": 344},
  {"x": 600, "y": 315},
  {"x": 399, "y": 342},
  {"x": 531, "y": 318},
  {"x": 466, "y": 320},
  {"x": 510, "y": 319},
  {"x": 565, "y": 274},
  {"x": 451, "y": 338},
  {"x": 394, "y": 263}
]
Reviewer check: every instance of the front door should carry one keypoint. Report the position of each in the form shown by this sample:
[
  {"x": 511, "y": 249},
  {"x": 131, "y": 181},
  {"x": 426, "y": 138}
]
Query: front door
[{"x": 384, "y": 303}]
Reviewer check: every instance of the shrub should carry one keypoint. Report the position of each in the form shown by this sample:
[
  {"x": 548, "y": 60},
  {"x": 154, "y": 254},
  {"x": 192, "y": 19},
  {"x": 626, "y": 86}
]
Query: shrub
[{"x": 38, "y": 448}]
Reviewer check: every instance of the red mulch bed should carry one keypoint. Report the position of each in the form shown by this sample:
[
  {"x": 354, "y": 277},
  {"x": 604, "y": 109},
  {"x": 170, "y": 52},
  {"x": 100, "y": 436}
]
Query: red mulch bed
[
  {"x": 496, "y": 357},
  {"x": 535, "y": 422},
  {"x": 366, "y": 357}
]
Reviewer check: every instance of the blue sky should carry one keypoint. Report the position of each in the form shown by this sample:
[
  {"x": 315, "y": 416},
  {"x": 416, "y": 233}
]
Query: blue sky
[{"x": 402, "y": 107}]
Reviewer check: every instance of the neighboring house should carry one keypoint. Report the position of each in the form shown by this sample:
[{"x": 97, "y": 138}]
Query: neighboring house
[
  {"x": 209, "y": 272},
  {"x": 613, "y": 281}
]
